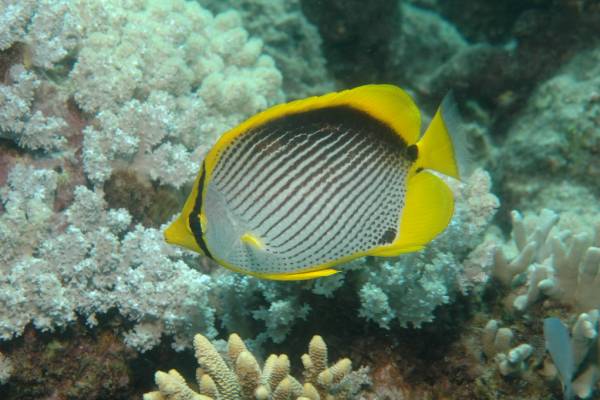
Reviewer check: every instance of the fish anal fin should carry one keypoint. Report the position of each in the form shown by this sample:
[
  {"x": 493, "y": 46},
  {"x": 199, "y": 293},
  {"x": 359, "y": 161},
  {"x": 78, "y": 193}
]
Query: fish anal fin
[
  {"x": 428, "y": 208},
  {"x": 300, "y": 276}
]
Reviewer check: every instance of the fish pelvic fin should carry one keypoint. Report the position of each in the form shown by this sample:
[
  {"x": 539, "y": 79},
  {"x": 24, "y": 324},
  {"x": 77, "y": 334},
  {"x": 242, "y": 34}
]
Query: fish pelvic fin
[
  {"x": 428, "y": 209},
  {"x": 178, "y": 233},
  {"x": 252, "y": 240},
  {"x": 443, "y": 147}
]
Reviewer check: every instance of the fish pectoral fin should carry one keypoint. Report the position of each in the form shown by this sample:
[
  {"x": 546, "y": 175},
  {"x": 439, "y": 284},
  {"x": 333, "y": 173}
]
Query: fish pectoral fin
[
  {"x": 427, "y": 212},
  {"x": 252, "y": 241}
]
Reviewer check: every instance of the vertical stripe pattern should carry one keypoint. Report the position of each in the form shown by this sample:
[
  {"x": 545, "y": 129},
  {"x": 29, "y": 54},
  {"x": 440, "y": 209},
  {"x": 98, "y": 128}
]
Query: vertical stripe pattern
[{"x": 313, "y": 187}]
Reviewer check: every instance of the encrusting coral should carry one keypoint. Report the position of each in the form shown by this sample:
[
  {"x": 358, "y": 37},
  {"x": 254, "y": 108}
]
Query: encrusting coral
[{"x": 241, "y": 378}]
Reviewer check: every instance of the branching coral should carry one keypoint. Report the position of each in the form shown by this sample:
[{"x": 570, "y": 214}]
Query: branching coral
[
  {"x": 241, "y": 378},
  {"x": 551, "y": 262}
]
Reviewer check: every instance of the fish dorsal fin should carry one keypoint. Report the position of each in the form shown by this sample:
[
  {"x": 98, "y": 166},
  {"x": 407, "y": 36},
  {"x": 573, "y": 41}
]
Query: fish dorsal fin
[
  {"x": 387, "y": 103},
  {"x": 427, "y": 212}
]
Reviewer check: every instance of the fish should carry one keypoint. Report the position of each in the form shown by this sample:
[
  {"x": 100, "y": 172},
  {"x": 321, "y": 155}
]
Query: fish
[
  {"x": 302, "y": 187},
  {"x": 558, "y": 344}
]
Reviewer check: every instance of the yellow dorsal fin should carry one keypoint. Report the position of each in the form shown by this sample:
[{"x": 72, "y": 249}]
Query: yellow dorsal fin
[
  {"x": 427, "y": 212},
  {"x": 387, "y": 103},
  {"x": 443, "y": 144}
]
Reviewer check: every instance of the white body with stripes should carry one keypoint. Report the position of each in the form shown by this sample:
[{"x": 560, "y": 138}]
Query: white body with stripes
[{"x": 309, "y": 189}]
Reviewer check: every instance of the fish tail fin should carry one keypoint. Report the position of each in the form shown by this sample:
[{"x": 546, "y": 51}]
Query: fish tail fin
[
  {"x": 428, "y": 208},
  {"x": 443, "y": 147}
]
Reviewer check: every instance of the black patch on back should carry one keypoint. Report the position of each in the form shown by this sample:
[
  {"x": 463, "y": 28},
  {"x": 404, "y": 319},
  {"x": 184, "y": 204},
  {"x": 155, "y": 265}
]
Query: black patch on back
[
  {"x": 194, "y": 217},
  {"x": 388, "y": 236},
  {"x": 412, "y": 152},
  {"x": 337, "y": 117}
]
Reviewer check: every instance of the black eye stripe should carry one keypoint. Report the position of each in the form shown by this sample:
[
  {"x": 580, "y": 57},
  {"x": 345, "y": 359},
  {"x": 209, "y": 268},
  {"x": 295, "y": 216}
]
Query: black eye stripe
[{"x": 194, "y": 217}]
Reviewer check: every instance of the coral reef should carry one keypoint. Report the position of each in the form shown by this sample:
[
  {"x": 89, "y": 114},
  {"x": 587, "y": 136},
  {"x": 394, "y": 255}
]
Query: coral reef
[
  {"x": 85, "y": 261},
  {"x": 436, "y": 42},
  {"x": 357, "y": 49},
  {"x": 73, "y": 364},
  {"x": 106, "y": 109},
  {"x": 509, "y": 52},
  {"x": 555, "y": 138},
  {"x": 241, "y": 378},
  {"x": 300, "y": 60},
  {"x": 143, "y": 105},
  {"x": 6, "y": 369},
  {"x": 554, "y": 263},
  {"x": 147, "y": 110}
]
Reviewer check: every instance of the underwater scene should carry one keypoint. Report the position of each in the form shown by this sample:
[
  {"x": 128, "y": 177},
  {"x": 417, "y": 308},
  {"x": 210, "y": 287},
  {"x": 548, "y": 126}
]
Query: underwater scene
[{"x": 299, "y": 199}]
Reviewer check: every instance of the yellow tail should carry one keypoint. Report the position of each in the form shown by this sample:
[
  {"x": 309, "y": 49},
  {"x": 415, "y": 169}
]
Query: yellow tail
[{"x": 443, "y": 148}]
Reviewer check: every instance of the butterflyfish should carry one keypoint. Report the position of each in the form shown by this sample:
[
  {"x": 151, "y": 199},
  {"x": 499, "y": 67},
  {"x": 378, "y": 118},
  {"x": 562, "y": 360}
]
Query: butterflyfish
[{"x": 303, "y": 187}]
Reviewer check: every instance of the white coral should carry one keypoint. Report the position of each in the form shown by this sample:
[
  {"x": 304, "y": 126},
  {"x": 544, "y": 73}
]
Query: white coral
[
  {"x": 164, "y": 79},
  {"x": 84, "y": 260},
  {"x": 547, "y": 261},
  {"x": 19, "y": 121}
]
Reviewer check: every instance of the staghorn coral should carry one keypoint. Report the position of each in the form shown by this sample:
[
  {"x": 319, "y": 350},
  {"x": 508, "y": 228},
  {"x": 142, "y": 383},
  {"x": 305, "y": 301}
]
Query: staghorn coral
[
  {"x": 546, "y": 261},
  {"x": 241, "y": 378},
  {"x": 497, "y": 344}
]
